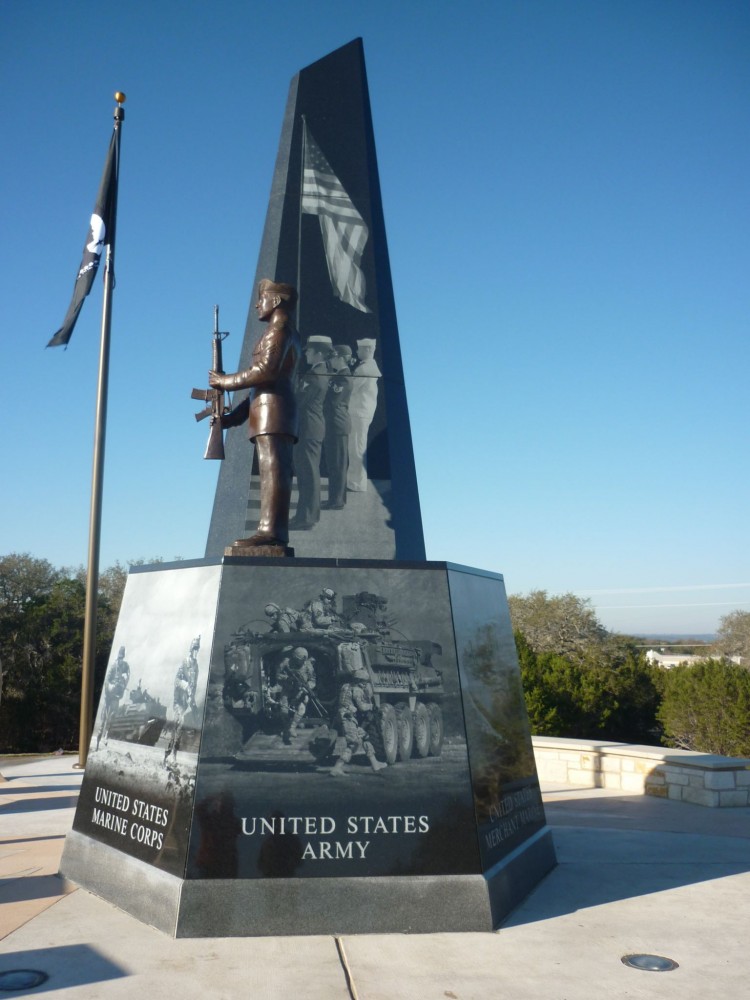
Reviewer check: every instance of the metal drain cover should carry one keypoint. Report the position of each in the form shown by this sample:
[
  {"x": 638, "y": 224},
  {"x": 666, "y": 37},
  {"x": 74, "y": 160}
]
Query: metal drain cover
[
  {"x": 22, "y": 979},
  {"x": 651, "y": 963}
]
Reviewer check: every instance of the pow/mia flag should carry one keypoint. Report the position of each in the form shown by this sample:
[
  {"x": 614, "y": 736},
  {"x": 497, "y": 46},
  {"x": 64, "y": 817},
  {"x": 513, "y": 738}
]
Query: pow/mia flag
[{"x": 101, "y": 234}]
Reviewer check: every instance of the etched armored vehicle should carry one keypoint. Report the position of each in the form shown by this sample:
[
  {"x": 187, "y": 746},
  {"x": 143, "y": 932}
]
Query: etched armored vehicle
[
  {"x": 142, "y": 721},
  {"x": 404, "y": 687}
]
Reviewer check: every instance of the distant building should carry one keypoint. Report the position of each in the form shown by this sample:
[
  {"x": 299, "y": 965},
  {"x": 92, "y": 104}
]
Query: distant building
[{"x": 668, "y": 660}]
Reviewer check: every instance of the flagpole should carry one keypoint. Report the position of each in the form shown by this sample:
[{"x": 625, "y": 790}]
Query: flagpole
[
  {"x": 97, "y": 476},
  {"x": 299, "y": 224}
]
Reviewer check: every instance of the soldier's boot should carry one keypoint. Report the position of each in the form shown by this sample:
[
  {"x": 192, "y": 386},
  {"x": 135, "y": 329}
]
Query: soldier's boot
[
  {"x": 375, "y": 764},
  {"x": 295, "y": 723},
  {"x": 338, "y": 767}
]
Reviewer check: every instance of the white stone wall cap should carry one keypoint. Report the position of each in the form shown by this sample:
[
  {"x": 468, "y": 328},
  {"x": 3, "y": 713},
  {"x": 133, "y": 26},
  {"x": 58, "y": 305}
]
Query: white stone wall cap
[{"x": 670, "y": 755}]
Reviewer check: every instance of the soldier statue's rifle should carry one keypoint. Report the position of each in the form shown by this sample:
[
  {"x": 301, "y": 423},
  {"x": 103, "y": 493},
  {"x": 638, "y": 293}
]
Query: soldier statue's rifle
[{"x": 215, "y": 398}]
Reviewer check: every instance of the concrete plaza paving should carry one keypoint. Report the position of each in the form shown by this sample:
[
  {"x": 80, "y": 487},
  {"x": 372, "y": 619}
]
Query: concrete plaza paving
[{"x": 634, "y": 875}]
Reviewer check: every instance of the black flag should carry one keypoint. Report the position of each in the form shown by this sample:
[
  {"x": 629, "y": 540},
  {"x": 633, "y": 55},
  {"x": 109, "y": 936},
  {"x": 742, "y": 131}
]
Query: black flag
[{"x": 101, "y": 234}]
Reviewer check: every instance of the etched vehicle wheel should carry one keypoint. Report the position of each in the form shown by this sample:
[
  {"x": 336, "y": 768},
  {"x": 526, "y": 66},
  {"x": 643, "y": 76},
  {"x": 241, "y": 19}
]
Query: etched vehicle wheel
[
  {"x": 405, "y": 731},
  {"x": 421, "y": 730},
  {"x": 436, "y": 728},
  {"x": 389, "y": 732}
]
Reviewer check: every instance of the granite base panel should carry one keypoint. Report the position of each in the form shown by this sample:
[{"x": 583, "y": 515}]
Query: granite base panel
[
  {"x": 331, "y": 906},
  {"x": 140, "y": 889},
  {"x": 334, "y": 906},
  {"x": 511, "y": 881}
]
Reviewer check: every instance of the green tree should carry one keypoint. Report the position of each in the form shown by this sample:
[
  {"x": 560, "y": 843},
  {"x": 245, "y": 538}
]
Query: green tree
[
  {"x": 24, "y": 578},
  {"x": 48, "y": 711},
  {"x": 24, "y": 583},
  {"x": 706, "y": 707},
  {"x": 41, "y": 637},
  {"x": 733, "y": 635},
  {"x": 564, "y": 624},
  {"x": 595, "y": 696},
  {"x": 111, "y": 587},
  {"x": 579, "y": 679}
]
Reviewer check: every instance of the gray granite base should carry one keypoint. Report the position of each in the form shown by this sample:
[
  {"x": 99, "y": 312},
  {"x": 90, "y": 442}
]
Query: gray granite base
[
  {"x": 150, "y": 895},
  {"x": 273, "y": 907}
]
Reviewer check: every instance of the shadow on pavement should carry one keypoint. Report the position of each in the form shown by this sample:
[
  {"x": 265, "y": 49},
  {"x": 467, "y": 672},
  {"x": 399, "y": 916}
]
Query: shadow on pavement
[
  {"x": 599, "y": 865},
  {"x": 11, "y": 788},
  {"x": 598, "y": 808},
  {"x": 6, "y": 842},
  {"x": 30, "y": 804},
  {"x": 66, "y": 965},
  {"x": 22, "y": 888}
]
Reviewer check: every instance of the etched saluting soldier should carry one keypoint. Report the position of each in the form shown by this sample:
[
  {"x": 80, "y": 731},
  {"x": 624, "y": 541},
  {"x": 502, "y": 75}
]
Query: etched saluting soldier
[
  {"x": 311, "y": 392},
  {"x": 336, "y": 409}
]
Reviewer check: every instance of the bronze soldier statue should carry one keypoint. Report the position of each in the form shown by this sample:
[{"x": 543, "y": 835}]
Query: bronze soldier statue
[{"x": 270, "y": 409}]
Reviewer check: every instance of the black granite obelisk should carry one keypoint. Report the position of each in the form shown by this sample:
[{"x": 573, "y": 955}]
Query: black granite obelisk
[
  {"x": 335, "y": 742},
  {"x": 325, "y": 234}
]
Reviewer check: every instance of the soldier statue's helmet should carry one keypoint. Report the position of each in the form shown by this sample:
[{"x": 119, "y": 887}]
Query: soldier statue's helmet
[
  {"x": 121, "y": 652},
  {"x": 300, "y": 652},
  {"x": 287, "y": 293},
  {"x": 271, "y": 609},
  {"x": 327, "y": 594},
  {"x": 357, "y": 628},
  {"x": 195, "y": 645},
  {"x": 367, "y": 342}
]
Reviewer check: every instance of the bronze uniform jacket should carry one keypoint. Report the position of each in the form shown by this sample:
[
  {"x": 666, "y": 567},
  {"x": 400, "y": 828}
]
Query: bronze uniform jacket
[{"x": 270, "y": 406}]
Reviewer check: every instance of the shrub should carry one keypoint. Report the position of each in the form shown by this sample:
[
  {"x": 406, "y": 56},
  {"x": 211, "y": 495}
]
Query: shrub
[{"x": 706, "y": 707}]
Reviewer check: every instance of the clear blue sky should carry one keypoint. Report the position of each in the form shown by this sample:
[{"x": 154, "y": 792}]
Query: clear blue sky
[{"x": 565, "y": 185}]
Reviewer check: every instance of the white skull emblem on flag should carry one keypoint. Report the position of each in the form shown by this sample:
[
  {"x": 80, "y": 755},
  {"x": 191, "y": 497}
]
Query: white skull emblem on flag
[{"x": 98, "y": 232}]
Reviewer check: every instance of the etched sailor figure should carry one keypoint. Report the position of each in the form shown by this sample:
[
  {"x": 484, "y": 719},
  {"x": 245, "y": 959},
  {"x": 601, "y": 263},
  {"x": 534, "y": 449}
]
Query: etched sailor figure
[{"x": 362, "y": 406}]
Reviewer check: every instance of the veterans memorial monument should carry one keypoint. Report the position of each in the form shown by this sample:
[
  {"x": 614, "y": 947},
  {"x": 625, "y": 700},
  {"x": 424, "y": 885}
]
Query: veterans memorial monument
[{"x": 318, "y": 731}]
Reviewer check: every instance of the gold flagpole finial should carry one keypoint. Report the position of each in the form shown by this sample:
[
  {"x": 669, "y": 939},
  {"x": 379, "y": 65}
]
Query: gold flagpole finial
[{"x": 119, "y": 97}]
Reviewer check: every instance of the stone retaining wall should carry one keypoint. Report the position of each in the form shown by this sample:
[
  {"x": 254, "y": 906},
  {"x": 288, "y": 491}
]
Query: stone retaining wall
[{"x": 682, "y": 775}]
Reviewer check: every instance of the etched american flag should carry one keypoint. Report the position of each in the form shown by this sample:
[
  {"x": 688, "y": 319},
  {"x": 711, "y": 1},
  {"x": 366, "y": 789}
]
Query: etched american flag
[{"x": 343, "y": 228}]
